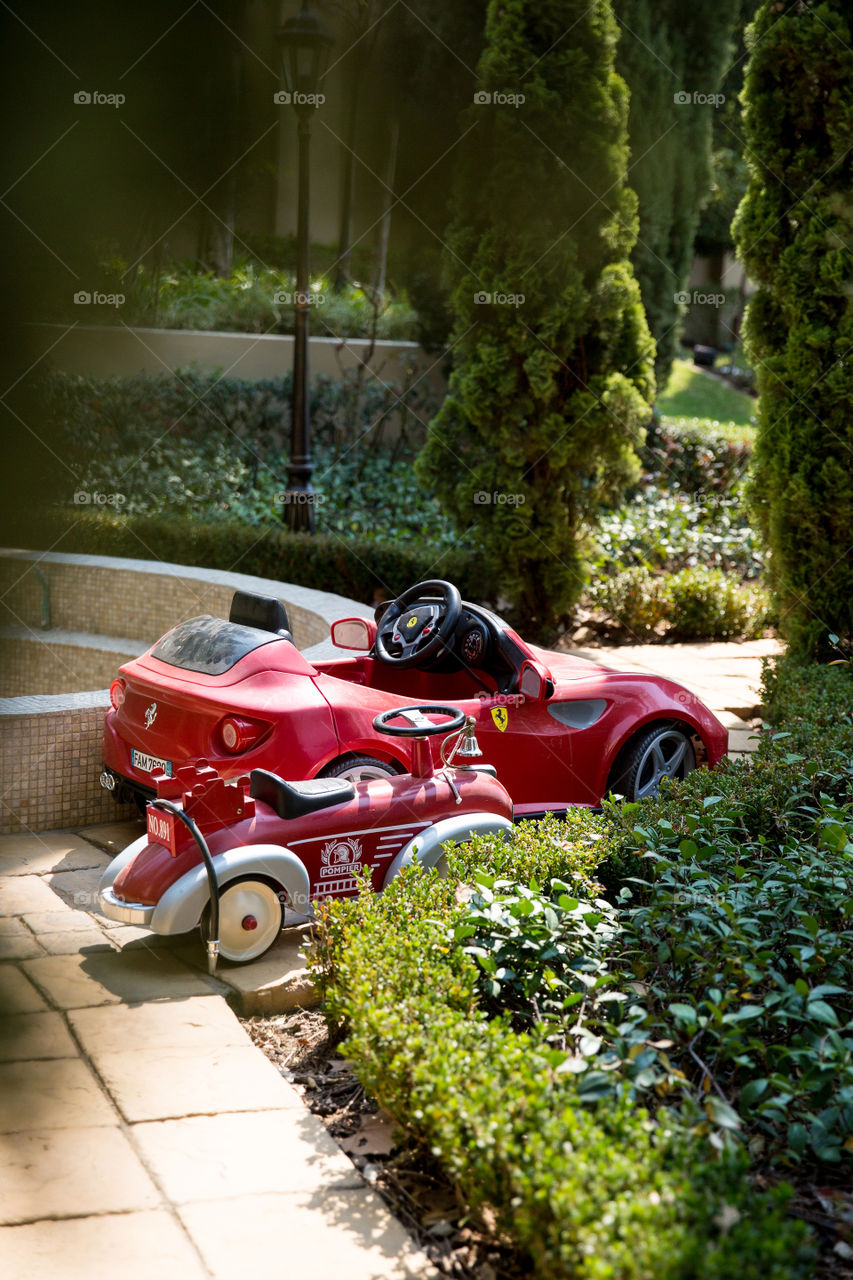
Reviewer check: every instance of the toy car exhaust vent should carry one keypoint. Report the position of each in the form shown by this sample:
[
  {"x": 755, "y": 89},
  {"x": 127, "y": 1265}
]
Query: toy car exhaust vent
[{"x": 263, "y": 612}]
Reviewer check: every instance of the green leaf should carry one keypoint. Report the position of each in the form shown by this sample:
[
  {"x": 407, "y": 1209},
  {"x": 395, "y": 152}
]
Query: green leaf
[
  {"x": 752, "y": 1091},
  {"x": 798, "y": 1138},
  {"x": 684, "y": 1012},
  {"x": 721, "y": 1113},
  {"x": 823, "y": 1012}
]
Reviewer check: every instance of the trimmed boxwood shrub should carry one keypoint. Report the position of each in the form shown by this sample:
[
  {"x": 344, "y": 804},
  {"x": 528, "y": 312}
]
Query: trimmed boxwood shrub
[
  {"x": 364, "y": 570},
  {"x": 584, "y": 1190},
  {"x": 793, "y": 232}
]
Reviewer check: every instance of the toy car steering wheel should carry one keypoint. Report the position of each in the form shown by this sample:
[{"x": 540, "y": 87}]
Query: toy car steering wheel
[
  {"x": 418, "y": 726},
  {"x": 419, "y": 627}
]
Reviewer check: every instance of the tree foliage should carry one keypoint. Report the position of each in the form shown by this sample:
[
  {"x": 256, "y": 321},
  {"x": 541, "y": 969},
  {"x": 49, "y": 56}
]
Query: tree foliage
[
  {"x": 553, "y": 378},
  {"x": 794, "y": 230},
  {"x": 673, "y": 57}
]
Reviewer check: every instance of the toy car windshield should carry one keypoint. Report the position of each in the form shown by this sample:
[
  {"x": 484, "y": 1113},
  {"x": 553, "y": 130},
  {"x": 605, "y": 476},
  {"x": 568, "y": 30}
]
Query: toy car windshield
[{"x": 209, "y": 645}]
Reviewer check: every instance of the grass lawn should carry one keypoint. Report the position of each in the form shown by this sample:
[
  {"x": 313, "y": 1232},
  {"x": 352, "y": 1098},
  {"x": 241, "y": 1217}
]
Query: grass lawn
[{"x": 694, "y": 394}]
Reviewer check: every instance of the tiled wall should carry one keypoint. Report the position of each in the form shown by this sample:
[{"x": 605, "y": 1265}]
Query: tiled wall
[
  {"x": 49, "y": 769},
  {"x": 124, "y": 602},
  {"x": 50, "y": 756},
  {"x": 40, "y": 665}
]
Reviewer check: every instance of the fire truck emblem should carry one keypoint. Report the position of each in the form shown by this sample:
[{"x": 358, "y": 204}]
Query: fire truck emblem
[{"x": 341, "y": 857}]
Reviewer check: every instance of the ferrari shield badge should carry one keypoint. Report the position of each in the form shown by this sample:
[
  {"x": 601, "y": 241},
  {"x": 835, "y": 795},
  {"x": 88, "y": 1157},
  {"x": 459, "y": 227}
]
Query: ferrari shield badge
[{"x": 500, "y": 715}]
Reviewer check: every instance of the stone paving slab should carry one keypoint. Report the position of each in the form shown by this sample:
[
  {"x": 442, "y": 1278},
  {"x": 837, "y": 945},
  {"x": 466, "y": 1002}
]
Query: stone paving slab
[
  {"x": 275, "y": 984},
  {"x": 11, "y": 924},
  {"x": 50, "y": 851},
  {"x": 107, "y": 977},
  {"x": 358, "y": 1240},
  {"x": 725, "y": 676},
  {"x": 112, "y": 837},
  {"x": 65, "y": 920},
  {"x": 17, "y": 993},
  {"x": 22, "y": 895},
  {"x": 198, "y": 1024},
  {"x": 61, "y": 1093},
  {"x": 79, "y": 888},
  {"x": 128, "y": 1246},
  {"x": 160, "y": 1083},
  {"x": 41, "y": 1175},
  {"x": 29, "y": 1036},
  {"x": 219, "y": 1156},
  {"x": 19, "y": 946},
  {"x": 68, "y": 944},
  {"x": 128, "y": 936}
]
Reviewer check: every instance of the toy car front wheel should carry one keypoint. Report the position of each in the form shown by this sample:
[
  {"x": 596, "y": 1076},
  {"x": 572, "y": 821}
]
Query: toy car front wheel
[
  {"x": 356, "y": 768},
  {"x": 662, "y": 752},
  {"x": 251, "y": 915}
]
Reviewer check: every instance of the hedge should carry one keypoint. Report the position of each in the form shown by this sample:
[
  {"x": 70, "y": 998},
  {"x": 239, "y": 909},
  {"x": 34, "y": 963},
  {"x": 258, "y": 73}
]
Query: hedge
[{"x": 359, "y": 569}]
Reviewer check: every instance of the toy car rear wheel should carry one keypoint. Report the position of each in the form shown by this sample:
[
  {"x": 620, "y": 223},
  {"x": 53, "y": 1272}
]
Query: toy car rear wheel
[
  {"x": 251, "y": 916},
  {"x": 357, "y": 768},
  {"x": 663, "y": 751}
]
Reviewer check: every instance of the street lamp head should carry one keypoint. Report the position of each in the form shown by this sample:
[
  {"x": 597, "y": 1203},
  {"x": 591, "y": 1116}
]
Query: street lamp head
[{"x": 304, "y": 44}]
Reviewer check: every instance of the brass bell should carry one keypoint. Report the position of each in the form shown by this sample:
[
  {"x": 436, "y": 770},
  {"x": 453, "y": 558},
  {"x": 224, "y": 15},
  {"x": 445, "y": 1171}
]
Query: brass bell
[{"x": 470, "y": 747}]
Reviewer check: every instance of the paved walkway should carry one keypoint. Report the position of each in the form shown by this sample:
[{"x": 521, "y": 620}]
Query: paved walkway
[
  {"x": 143, "y": 1136},
  {"x": 727, "y": 677}
]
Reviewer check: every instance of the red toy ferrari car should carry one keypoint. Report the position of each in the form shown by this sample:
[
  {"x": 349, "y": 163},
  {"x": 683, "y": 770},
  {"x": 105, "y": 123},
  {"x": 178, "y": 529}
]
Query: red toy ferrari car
[
  {"x": 560, "y": 730},
  {"x": 230, "y": 856}
]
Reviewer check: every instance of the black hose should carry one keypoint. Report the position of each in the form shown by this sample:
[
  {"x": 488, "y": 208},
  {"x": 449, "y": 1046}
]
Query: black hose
[{"x": 213, "y": 885}]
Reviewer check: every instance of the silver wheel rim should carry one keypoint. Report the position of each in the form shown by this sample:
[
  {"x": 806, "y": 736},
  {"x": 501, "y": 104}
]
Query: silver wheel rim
[
  {"x": 363, "y": 773},
  {"x": 668, "y": 755},
  {"x": 249, "y": 898}
]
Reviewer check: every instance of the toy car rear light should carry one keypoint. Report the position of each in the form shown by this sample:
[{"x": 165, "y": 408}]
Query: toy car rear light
[
  {"x": 239, "y": 733},
  {"x": 117, "y": 689}
]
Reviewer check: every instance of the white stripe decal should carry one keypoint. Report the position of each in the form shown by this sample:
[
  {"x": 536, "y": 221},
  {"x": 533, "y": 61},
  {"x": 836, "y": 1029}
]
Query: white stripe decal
[{"x": 360, "y": 831}]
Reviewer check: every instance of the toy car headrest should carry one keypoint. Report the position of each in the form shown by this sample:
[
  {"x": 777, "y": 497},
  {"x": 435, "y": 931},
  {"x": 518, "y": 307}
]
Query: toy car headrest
[{"x": 263, "y": 612}]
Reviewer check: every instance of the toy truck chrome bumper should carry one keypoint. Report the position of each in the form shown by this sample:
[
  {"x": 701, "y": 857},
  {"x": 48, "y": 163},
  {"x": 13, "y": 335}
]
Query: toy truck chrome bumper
[{"x": 128, "y": 912}]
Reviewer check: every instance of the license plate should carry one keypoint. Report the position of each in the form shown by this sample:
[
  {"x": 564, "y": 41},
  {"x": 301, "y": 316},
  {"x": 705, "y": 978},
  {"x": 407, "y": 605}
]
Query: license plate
[
  {"x": 150, "y": 764},
  {"x": 162, "y": 828}
]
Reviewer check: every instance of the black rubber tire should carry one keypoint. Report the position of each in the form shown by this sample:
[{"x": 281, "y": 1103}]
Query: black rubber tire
[
  {"x": 349, "y": 766},
  {"x": 663, "y": 750}
]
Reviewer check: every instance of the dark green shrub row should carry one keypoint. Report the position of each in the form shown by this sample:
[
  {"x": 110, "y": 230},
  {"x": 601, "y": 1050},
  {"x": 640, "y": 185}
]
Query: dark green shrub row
[
  {"x": 664, "y": 529},
  {"x": 118, "y": 414},
  {"x": 692, "y": 604},
  {"x": 811, "y": 704},
  {"x": 360, "y": 569},
  {"x": 583, "y": 1190},
  {"x": 740, "y": 928},
  {"x": 685, "y": 455}
]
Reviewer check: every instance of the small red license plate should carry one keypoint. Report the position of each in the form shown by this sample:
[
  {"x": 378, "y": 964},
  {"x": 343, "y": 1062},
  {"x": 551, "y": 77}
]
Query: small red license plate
[{"x": 162, "y": 829}]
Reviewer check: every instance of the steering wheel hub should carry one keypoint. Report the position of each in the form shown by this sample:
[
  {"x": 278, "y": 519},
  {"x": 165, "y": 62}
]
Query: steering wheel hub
[{"x": 415, "y": 626}]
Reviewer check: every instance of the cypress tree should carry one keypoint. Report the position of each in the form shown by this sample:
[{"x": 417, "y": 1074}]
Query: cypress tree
[
  {"x": 794, "y": 230},
  {"x": 552, "y": 382},
  {"x": 673, "y": 57}
]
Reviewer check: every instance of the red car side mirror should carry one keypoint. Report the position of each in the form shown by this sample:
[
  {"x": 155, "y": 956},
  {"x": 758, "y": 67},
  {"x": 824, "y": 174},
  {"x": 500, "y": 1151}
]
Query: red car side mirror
[
  {"x": 353, "y": 633},
  {"x": 534, "y": 682}
]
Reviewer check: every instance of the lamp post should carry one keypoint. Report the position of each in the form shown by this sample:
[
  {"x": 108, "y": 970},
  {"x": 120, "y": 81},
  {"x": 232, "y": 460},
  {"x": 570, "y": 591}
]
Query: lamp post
[{"x": 304, "y": 44}]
